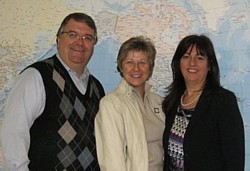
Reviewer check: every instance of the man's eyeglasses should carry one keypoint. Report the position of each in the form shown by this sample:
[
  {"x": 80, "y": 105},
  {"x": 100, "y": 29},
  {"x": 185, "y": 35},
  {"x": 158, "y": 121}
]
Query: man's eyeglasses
[{"x": 75, "y": 36}]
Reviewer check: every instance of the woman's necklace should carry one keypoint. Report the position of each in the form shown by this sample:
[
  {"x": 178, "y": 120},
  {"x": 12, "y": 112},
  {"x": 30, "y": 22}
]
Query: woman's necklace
[{"x": 187, "y": 104}]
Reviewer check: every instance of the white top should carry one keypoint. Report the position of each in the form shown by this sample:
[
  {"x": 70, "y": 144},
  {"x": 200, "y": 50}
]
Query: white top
[
  {"x": 154, "y": 128},
  {"x": 25, "y": 103},
  {"x": 121, "y": 138}
]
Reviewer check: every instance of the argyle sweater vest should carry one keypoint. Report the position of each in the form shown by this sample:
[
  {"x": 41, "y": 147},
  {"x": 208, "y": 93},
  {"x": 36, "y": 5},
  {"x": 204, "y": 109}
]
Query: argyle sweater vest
[{"x": 62, "y": 137}]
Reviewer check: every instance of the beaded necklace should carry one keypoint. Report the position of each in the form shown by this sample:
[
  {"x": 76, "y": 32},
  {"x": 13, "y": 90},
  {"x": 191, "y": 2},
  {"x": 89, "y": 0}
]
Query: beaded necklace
[{"x": 187, "y": 104}]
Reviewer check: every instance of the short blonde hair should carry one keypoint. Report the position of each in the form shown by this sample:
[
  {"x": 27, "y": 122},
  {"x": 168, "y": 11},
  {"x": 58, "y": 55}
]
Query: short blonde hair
[{"x": 139, "y": 43}]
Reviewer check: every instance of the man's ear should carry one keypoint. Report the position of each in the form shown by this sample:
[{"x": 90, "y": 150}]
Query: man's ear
[{"x": 57, "y": 43}]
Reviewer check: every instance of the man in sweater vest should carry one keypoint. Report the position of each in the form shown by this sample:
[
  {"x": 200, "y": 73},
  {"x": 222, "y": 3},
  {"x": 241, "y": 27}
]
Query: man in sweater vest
[{"x": 50, "y": 111}]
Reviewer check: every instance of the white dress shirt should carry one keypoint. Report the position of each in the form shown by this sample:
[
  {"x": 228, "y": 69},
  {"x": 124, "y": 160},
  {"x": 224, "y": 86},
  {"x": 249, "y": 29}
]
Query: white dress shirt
[{"x": 25, "y": 103}]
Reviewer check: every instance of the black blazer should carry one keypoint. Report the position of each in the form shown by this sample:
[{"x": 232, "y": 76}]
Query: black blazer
[{"x": 214, "y": 139}]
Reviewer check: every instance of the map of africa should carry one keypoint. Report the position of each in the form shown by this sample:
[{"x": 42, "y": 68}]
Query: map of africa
[{"x": 28, "y": 30}]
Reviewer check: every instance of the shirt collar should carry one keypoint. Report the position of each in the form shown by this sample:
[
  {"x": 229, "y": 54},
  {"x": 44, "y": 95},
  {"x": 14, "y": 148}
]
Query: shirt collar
[
  {"x": 130, "y": 91},
  {"x": 84, "y": 75}
]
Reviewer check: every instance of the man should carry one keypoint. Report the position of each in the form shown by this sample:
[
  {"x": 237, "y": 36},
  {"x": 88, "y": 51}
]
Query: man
[{"x": 49, "y": 119}]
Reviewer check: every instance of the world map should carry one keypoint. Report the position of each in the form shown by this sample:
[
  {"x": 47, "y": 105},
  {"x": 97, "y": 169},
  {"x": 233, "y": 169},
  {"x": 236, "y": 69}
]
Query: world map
[{"x": 28, "y": 34}]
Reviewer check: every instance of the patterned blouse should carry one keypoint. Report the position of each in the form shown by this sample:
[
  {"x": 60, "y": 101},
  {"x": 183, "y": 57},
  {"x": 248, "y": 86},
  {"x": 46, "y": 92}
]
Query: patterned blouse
[{"x": 177, "y": 133}]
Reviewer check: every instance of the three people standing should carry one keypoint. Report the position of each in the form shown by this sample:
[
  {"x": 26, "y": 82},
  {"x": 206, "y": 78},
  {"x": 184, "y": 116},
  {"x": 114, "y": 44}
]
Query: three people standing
[{"x": 52, "y": 126}]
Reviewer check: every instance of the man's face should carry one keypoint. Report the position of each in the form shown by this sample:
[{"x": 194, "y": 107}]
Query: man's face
[{"x": 76, "y": 45}]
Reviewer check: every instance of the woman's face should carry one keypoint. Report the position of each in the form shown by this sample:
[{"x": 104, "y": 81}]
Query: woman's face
[
  {"x": 136, "y": 69},
  {"x": 194, "y": 67}
]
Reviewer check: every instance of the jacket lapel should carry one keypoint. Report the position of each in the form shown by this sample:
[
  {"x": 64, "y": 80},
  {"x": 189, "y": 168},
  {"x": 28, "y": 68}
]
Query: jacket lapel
[{"x": 201, "y": 108}]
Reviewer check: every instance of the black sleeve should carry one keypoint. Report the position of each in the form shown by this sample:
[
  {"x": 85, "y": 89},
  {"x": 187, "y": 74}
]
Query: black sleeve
[{"x": 231, "y": 130}]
